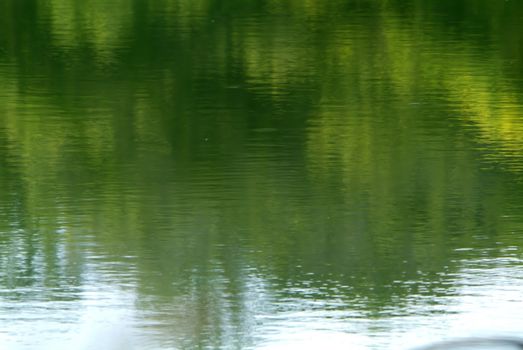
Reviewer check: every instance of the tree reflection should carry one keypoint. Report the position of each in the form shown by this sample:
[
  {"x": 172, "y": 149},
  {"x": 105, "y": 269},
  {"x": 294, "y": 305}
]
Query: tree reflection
[{"x": 238, "y": 154}]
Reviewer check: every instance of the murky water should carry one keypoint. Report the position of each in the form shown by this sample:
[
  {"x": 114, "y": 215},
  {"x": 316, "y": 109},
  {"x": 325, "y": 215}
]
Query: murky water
[{"x": 259, "y": 175}]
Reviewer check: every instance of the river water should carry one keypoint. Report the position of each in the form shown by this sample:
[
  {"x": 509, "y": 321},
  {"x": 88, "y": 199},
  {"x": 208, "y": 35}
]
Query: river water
[{"x": 204, "y": 174}]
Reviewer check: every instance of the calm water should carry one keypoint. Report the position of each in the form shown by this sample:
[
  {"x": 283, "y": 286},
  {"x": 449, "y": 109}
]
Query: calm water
[{"x": 182, "y": 174}]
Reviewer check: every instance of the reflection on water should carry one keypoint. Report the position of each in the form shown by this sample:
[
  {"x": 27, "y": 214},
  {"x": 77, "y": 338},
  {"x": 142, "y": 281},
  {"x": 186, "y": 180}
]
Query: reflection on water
[{"x": 195, "y": 174}]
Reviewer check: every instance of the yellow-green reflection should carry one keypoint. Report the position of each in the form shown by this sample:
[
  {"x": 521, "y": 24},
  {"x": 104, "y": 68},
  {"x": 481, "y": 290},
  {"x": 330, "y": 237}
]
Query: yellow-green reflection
[{"x": 210, "y": 172}]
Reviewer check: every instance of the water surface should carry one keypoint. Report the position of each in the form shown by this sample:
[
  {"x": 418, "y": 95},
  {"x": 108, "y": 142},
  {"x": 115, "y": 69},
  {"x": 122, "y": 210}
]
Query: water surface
[{"x": 261, "y": 175}]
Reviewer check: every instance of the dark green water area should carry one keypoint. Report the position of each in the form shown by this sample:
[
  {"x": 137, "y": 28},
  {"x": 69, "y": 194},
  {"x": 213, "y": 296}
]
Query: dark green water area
[{"x": 262, "y": 174}]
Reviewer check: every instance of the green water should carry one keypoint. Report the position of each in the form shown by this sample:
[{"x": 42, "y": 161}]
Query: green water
[{"x": 184, "y": 174}]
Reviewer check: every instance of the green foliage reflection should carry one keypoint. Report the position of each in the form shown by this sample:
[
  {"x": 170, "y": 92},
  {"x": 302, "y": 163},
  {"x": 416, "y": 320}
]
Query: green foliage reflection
[{"x": 212, "y": 149}]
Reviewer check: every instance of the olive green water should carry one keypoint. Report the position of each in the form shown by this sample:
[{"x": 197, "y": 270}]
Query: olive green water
[{"x": 259, "y": 174}]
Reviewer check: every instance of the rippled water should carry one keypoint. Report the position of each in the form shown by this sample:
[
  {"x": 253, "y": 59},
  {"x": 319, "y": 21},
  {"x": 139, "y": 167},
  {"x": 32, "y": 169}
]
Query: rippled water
[{"x": 259, "y": 175}]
